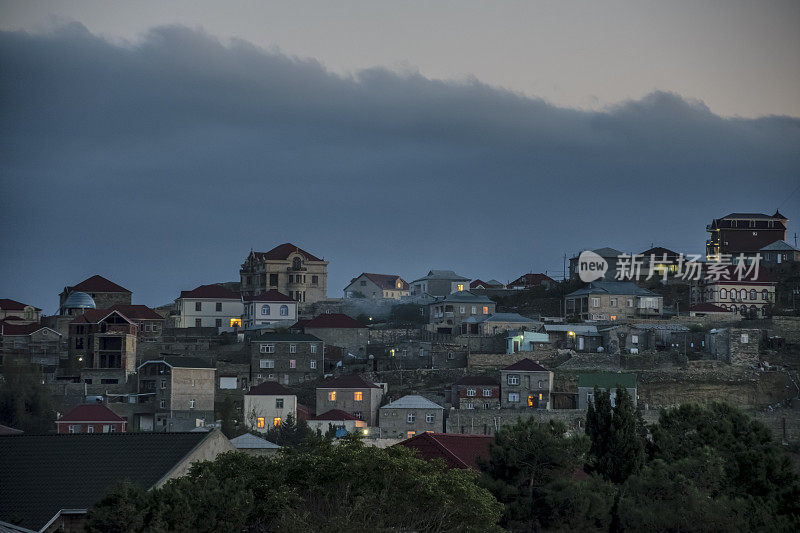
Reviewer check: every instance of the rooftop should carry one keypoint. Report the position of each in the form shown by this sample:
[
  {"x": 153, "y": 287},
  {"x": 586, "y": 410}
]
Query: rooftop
[
  {"x": 349, "y": 381},
  {"x": 613, "y": 287},
  {"x": 248, "y": 441},
  {"x": 95, "y": 316},
  {"x": 477, "y": 380},
  {"x": 466, "y": 297},
  {"x": 457, "y": 450},
  {"x": 180, "y": 361},
  {"x": 97, "y": 283},
  {"x": 334, "y": 414},
  {"x": 282, "y": 253},
  {"x": 212, "y": 291},
  {"x": 285, "y": 337},
  {"x": 269, "y": 296},
  {"x": 136, "y": 312},
  {"x": 780, "y": 246},
  {"x": 442, "y": 274},
  {"x": 91, "y": 413},
  {"x": 6, "y": 304},
  {"x": 412, "y": 402},
  {"x": 706, "y": 307},
  {"x": 333, "y": 320},
  {"x": 526, "y": 365},
  {"x": 270, "y": 388}
]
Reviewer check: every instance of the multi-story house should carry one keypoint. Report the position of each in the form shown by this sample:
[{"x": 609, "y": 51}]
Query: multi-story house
[
  {"x": 409, "y": 416},
  {"x": 611, "y": 257},
  {"x": 476, "y": 392},
  {"x": 752, "y": 295},
  {"x": 450, "y": 314},
  {"x": 779, "y": 253},
  {"x": 288, "y": 358},
  {"x": 91, "y": 418},
  {"x": 531, "y": 280},
  {"x": 179, "y": 391},
  {"x": 526, "y": 384},
  {"x": 269, "y": 309},
  {"x": 150, "y": 325},
  {"x": 439, "y": 283},
  {"x": 12, "y": 309},
  {"x": 743, "y": 233},
  {"x": 102, "y": 346},
  {"x": 337, "y": 329},
  {"x": 351, "y": 394},
  {"x": 287, "y": 269},
  {"x": 267, "y": 405},
  {"x": 376, "y": 286},
  {"x": 103, "y": 292},
  {"x": 31, "y": 343},
  {"x": 209, "y": 306},
  {"x": 340, "y": 421},
  {"x": 613, "y": 300},
  {"x": 497, "y": 323}
]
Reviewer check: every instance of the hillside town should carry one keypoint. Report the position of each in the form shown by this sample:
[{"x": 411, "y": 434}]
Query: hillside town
[{"x": 436, "y": 359}]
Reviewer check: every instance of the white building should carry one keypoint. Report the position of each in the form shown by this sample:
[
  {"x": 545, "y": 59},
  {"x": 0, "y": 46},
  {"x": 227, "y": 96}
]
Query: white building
[
  {"x": 268, "y": 309},
  {"x": 209, "y": 306},
  {"x": 267, "y": 405},
  {"x": 338, "y": 420}
]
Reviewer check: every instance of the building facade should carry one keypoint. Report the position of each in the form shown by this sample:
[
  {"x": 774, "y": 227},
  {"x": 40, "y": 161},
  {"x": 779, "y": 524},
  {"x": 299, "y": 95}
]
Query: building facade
[
  {"x": 267, "y": 405},
  {"x": 375, "y": 286},
  {"x": 209, "y": 306},
  {"x": 409, "y": 416},
  {"x": 337, "y": 329},
  {"x": 287, "y": 269},
  {"x": 526, "y": 384},
  {"x": 476, "y": 392},
  {"x": 613, "y": 300},
  {"x": 439, "y": 283},
  {"x": 753, "y": 295},
  {"x": 12, "y": 309},
  {"x": 743, "y": 233},
  {"x": 451, "y": 313},
  {"x": 288, "y": 358},
  {"x": 268, "y": 309},
  {"x": 351, "y": 394},
  {"x": 91, "y": 418},
  {"x": 102, "y": 346}
]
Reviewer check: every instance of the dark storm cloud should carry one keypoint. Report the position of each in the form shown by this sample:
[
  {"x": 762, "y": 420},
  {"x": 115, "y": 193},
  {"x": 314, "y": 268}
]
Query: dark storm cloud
[{"x": 161, "y": 164}]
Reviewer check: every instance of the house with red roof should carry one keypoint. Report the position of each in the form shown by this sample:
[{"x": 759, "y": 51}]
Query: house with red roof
[
  {"x": 338, "y": 420},
  {"x": 457, "y": 450},
  {"x": 270, "y": 309},
  {"x": 267, "y": 405},
  {"x": 288, "y": 269},
  {"x": 711, "y": 310},
  {"x": 209, "y": 306},
  {"x": 91, "y": 418},
  {"x": 150, "y": 324},
  {"x": 531, "y": 280},
  {"x": 476, "y": 392},
  {"x": 376, "y": 286},
  {"x": 526, "y": 385},
  {"x": 739, "y": 289},
  {"x": 104, "y": 292},
  {"x": 31, "y": 343},
  {"x": 337, "y": 329},
  {"x": 14, "y": 310},
  {"x": 352, "y": 394}
]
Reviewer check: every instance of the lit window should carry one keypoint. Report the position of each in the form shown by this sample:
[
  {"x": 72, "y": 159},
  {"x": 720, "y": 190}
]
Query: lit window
[
  {"x": 461, "y": 287},
  {"x": 540, "y": 396},
  {"x": 332, "y": 396},
  {"x": 276, "y": 421},
  {"x": 530, "y": 401},
  {"x": 410, "y": 434},
  {"x": 260, "y": 423},
  {"x": 358, "y": 396},
  {"x": 236, "y": 322},
  {"x": 485, "y": 310}
]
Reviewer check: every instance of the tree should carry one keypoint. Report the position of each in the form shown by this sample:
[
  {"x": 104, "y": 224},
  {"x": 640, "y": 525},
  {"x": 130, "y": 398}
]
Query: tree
[
  {"x": 290, "y": 432},
  {"x": 617, "y": 448},
  {"x": 227, "y": 413},
  {"x": 342, "y": 487},
  {"x": 523, "y": 461},
  {"x": 25, "y": 403}
]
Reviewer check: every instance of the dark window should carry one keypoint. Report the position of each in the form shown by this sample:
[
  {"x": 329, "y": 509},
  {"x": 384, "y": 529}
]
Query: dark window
[
  {"x": 197, "y": 322},
  {"x": 273, "y": 280},
  {"x": 218, "y": 322},
  {"x": 198, "y": 306},
  {"x": 79, "y": 342},
  {"x": 219, "y": 306},
  {"x": 109, "y": 381},
  {"x": 296, "y": 263},
  {"x": 291, "y": 278},
  {"x": 314, "y": 280},
  {"x": 279, "y": 403}
]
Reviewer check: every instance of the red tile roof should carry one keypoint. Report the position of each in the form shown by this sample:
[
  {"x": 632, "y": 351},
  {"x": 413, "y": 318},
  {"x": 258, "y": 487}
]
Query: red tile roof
[
  {"x": 269, "y": 296},
  {"x": 93, "y": 316},
  {"x": 386, "y": 282},
  {"x": 6, "y": 304},
  {"x": 477, "y": 380},
  {"x": 748, "y": 277},
  {"x": 530, "y": 280},
  {"x": 479, "y": 283},
  {"x": 136, "y": 312},
  {"x": 334, "y": 414},
  {"x": 269, "y": 388},
  {"x": 349, "y": 381},
  {"x": 458, "y": 451},
  {"x": 707, "y": 307},
  {"x": 526, "y": 365},
  {"x": 212, "y": 290},
  {"x": 332, "y": 320},
  {"x": 283, "y": 251},
  {"x": 97, "y": 284},
  {"x": 91, "y": 413},
  {"x": 8, "y": 328}
]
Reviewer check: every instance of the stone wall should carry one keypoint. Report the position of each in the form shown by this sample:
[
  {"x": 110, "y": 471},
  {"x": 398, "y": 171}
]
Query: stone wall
[
  {"x": 787, "y": 327},
  {"x": 743, "y": 346},
  {"x": 392, "y": 336}
]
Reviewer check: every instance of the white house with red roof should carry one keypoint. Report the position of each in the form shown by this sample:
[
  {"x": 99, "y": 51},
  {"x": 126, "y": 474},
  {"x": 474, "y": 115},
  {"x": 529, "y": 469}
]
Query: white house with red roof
[
  {"x": 338, "y": 420},
  {"x": 288, "y": 269},
  {"x": 267, "y": 405},
  {"x": 209, "y": 306},
  {"x": 91, "y": 418},
  {"x": 738, "y": 289},
  {"x": 104, "y": 292},
  {"x": 375, "y": 286},
  {"x": 269, "y": 309},
  {"x": 14, "y": 310}
]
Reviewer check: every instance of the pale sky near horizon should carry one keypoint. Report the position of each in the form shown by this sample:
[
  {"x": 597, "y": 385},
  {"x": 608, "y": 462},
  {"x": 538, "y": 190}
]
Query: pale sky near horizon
[{"x": 739, "y": 58}]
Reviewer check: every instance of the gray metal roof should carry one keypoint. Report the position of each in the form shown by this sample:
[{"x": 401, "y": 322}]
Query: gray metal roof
[
  {"x": 779, "y": 246},
  {"x": 248, "y": 441},
  {"x": 466, "y": 297},
  {"x": 79, "y": 300},
  {"x": 624, "y": 288},
  {"x": 412, "y": 402},
  {"x": 442, "y": 274},
  {"x": 661, "y": 327}
]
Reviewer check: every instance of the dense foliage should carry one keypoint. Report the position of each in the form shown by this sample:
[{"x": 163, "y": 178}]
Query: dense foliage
[
  {"x": 325, "y": 487},
  {"x": 25, "y": 403}
]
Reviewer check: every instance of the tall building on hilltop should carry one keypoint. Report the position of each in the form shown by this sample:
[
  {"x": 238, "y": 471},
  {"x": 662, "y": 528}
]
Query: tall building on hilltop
[
  {"x": 744, "y": 233},
  {"x": 287, "y": 269}
]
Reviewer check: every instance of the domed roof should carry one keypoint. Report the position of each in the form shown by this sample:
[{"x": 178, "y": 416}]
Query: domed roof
[{"x": 79, "y": 300}]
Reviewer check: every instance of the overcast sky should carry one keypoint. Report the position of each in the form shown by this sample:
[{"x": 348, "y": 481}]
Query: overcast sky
[{"x": 388, "y": 139}]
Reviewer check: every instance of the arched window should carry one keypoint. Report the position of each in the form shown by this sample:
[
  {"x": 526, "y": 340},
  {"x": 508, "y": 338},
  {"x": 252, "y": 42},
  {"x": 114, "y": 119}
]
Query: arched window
[
  {"x": 296, "y": 263},
  {"x": 743, "y": 294},
  {"x": 264, "y": 309},
  {"x": 753, "y": 294},
  {"x": 733, "y": 308},
  {"x": 284, "y": 310},
  {"x": 723, "y": 293}
]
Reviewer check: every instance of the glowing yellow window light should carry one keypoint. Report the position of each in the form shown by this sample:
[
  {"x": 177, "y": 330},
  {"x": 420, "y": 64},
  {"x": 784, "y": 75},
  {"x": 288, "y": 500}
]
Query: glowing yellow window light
[
  {"x": 276, "y": 421},
  {"x": 260, "y": 423},
  {"x": 332, "y": 396},
  {"x": 236, "y": 322}
]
